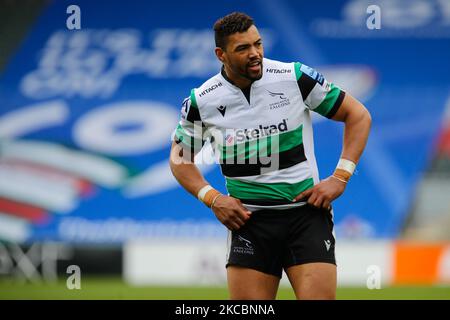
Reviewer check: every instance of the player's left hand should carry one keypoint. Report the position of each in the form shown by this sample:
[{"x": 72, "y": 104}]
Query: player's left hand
[{"x": 323, "y": 193}]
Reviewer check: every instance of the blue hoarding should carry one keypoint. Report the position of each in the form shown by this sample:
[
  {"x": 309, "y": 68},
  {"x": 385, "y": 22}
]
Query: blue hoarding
[{"x": 86, "y": 115}]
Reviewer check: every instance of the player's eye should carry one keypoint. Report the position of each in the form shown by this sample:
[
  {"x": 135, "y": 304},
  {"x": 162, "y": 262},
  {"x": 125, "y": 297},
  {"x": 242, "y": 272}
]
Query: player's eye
[{"x": 241, "y": 48}]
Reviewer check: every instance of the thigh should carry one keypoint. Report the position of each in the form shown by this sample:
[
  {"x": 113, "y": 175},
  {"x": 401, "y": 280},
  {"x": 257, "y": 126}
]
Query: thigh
[
  {"x": 310, "y": 238},
  {"x": 313, "y": 280},
  {"x": 258, "y": 245},
  {"x": 250, "y": 284}
]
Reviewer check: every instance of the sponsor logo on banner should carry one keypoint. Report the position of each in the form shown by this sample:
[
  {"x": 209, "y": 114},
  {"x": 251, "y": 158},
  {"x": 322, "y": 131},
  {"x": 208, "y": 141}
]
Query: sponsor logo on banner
[
  {"x": 398, "y": 19},
  {"x": 93, "y": 63}
]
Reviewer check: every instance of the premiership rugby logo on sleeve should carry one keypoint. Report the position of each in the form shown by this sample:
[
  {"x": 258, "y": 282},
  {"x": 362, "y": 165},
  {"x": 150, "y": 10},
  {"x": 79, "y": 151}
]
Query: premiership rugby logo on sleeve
[
  {"x": 185, "y": 107},
  {"x": 312, "y": 73}
]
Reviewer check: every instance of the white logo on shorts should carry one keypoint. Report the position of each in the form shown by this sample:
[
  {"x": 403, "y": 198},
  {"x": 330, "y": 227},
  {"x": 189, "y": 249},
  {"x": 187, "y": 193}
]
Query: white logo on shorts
[
  {"x": 247, "y": 249},
  {"x": 248, "y": 243},
  {"x": 327, "y": 244}
]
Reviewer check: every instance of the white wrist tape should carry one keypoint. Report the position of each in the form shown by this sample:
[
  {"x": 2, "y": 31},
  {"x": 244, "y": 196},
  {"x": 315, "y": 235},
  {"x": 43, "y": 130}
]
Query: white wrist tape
[
  {"x": 201, "y": 193},
  {"x": 346, "y": 165}
]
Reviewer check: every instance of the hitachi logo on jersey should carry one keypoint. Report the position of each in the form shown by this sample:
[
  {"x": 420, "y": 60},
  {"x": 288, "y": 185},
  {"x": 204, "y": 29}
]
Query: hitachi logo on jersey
[
  {"x": 260, "y": 132},
  {"x": 208, "y": 90},
  {"x": 271, "y": 70}
]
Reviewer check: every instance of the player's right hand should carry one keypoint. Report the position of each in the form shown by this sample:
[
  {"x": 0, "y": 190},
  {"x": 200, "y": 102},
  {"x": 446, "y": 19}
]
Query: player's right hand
[{"x": 230, "y": 212}]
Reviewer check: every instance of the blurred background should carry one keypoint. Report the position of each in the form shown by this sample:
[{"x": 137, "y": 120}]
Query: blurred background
[{"x": 89, "y": 97}]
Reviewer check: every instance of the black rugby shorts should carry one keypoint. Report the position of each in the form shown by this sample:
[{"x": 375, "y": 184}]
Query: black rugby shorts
[{"x": 275, "y": 239}]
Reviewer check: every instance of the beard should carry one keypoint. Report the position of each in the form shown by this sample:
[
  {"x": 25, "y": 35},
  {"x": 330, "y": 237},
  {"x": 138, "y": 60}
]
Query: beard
[
  {"x": 253, "y": 77},
  {"x": 249, "y": 74}
]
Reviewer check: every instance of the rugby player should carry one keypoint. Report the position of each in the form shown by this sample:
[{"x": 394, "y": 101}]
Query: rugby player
[{"x": 256, "y": 112}]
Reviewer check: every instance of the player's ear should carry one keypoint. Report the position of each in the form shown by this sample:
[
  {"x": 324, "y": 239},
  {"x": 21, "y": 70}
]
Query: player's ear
[{"x": 220, "y": 54}]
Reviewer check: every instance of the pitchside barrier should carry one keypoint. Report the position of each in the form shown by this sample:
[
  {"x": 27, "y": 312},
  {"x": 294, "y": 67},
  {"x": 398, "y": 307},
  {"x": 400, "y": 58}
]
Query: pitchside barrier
[
  {"x": 373, "y": 264},
  {"x": 366, "y": 263}
]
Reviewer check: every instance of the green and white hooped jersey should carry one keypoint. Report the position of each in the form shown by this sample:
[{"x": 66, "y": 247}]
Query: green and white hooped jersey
[{"x": 265, "y": 146}]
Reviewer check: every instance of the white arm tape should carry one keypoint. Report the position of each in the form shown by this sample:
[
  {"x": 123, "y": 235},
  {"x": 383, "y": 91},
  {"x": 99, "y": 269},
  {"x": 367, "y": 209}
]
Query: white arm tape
[
  {"x": 346, "y": 165},
  {"x": 201, "y": 193}
]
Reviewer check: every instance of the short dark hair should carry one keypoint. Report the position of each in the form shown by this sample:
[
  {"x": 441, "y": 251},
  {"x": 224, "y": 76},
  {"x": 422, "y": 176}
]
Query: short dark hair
[{"x": 230, "y": 24}]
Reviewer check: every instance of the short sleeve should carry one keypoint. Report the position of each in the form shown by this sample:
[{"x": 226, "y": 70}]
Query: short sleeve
[
  {"x": 318, "y": 94},
  {"x": 190, "y": 129}
]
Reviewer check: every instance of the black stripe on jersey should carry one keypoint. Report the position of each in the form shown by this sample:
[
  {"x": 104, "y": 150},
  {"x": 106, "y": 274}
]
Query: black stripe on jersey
[
  {"x": 336, "y": 105},
  {"x": 306, "y": 84},
  {"x": 286, "y": 159},
  {"x": 188, "y": 150},
  {"x": 193, "y": 115}
]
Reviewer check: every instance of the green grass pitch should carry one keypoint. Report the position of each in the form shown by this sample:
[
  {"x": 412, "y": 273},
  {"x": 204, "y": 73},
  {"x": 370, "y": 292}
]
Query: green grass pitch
[{"x": 115, "y": 288}]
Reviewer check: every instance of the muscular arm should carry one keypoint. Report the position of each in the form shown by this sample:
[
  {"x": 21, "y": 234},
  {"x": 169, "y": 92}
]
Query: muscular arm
[
  {"x": 357, "y": 123},
  {"x": 228, "y": 210},
  {"x": 185, "y": 171}
]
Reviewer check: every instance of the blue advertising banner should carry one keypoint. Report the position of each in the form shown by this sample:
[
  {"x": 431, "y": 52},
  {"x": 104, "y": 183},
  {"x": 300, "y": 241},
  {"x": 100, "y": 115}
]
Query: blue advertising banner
[{"x": 86, "y": 115}]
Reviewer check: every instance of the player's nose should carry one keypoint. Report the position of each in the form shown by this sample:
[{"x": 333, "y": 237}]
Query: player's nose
[{"x": 253, "y": 52}]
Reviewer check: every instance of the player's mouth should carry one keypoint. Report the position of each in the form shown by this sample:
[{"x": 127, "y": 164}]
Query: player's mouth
[{"x": 254, "y": 66}]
